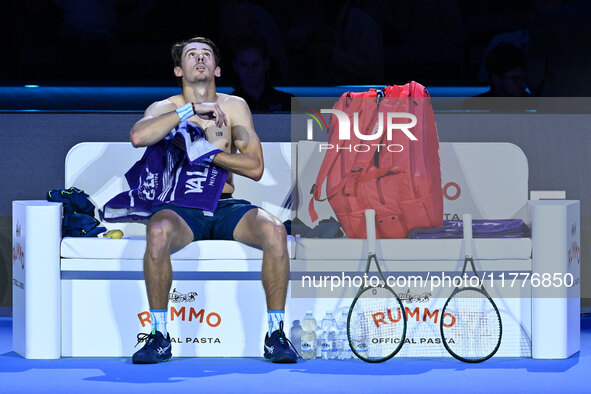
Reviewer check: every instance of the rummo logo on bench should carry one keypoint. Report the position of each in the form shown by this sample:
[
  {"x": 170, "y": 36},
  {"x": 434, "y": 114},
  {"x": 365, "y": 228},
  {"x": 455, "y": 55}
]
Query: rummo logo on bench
[
  {"x": 183, "y": 314},
  {"x": 389, "y": 122}
]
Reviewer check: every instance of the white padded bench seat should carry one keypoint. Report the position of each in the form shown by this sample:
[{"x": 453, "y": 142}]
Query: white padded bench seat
[
  {"x": 132, "y": 248},
  {"x": 413, "y": 249},
  {"x": 305, "y": 248}
]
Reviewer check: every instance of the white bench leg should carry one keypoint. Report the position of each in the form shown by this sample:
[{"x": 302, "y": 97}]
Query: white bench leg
[{"x": 36, "y": 236}]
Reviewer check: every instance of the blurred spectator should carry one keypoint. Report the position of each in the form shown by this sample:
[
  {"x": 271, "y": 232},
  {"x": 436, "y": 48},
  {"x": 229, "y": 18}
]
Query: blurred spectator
[
  {"x": 518, "y": 38},
  {"x": 336, "y": 43},
  {"x": 242, "y": 19},
  {"x": 251, "y": 63},
  {"x": 521, "y": 38},
  {"x": 505, "y": 67}
]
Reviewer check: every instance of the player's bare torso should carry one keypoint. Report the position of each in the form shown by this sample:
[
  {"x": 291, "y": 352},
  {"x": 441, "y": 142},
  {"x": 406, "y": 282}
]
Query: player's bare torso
[{"x": 220, "y": 137}]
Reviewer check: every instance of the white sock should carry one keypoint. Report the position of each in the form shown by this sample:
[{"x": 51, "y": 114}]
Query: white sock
[
  {"x": 274, "y": 318},
  {"x": 158, "y": 317}
]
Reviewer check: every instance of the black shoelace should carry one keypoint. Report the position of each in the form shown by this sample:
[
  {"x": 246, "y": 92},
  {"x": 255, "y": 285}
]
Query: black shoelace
[
  {"x": 143, "y": 337},
  {"x": 283, "y": 339}
]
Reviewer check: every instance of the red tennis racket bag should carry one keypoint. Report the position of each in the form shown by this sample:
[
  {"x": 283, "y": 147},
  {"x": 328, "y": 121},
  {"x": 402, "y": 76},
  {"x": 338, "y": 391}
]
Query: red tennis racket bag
[{"x": 388, "y": 161}]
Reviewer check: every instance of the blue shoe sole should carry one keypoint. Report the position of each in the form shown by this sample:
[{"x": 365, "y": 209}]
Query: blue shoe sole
[
  {"x": 283, "y": 360},
  {"x": 148, "y": 362}
]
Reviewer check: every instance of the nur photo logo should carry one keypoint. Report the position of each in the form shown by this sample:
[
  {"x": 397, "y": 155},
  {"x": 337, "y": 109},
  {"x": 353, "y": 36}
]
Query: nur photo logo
[{"x": 389, "y": 122}]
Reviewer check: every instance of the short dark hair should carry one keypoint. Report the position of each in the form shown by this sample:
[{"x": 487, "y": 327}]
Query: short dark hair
[
  {"x": 252, "y": 42},
  {"x": 503, "y": 58},
  {"x": 177, "y": 50}
]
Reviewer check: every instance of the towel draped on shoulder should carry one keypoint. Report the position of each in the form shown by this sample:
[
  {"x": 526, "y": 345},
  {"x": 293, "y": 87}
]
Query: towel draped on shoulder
[{"x": 177, "y": 170}]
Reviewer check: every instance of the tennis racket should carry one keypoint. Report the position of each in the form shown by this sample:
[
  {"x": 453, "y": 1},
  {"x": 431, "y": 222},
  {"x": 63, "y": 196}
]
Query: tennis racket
[
  {"x": 376, "y": 324},
  {"x": 471, "y": 327}
]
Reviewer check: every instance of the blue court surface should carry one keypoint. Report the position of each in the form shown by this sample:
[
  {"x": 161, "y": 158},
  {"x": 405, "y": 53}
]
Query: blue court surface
[{"x": 255, "y": 375}]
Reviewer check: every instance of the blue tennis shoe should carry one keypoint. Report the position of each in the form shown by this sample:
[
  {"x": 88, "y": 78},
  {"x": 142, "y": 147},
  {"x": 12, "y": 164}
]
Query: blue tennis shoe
[
  {"x": 156, "y": 349},
  {"x": 278, "y": 348}
]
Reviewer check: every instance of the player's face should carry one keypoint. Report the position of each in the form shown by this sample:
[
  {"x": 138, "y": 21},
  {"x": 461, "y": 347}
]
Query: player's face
[{"x": 197, "y": 63}]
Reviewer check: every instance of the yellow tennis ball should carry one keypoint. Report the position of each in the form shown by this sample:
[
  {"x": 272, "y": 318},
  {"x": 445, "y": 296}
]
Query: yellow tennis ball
[{"x": 115, "y": 234}]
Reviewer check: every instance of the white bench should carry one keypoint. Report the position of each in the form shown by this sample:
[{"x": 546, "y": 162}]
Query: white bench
[
  {"x": 217, "y": 302},
  {"x": 490, "y": 181}
]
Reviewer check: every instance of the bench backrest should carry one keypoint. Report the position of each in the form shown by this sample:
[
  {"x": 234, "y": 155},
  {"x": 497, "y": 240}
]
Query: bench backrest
[
  {"x": 98, "y": 168},
  {"x": 489, "y": 180}
]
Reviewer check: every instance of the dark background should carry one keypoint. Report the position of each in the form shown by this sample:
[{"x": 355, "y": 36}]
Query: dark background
[{"x": 311, "y": 42}]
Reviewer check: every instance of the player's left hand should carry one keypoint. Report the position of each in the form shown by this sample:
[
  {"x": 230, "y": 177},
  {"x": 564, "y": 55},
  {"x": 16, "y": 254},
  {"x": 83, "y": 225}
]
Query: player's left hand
[{"x": 211, "y": 111}]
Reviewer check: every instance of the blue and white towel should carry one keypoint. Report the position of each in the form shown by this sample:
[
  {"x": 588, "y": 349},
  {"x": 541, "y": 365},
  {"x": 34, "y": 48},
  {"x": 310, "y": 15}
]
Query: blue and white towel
[{"x": 177, "y": 170}]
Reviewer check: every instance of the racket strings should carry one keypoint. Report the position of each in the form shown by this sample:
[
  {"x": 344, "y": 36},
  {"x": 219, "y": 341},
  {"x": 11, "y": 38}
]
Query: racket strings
[
  {"x": 377, "y": 324},
  {"x": 471, "y": 325},
  {"x": 515, "y": 335},
  {"x": 423, "y": 337}
]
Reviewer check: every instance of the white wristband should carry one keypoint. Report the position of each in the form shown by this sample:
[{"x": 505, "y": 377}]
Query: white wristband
[{"x": 185, "y": 112}]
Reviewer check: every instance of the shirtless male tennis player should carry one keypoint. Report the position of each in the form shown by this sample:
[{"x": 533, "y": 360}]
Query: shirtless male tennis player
[{"x": 227, "y": 123}]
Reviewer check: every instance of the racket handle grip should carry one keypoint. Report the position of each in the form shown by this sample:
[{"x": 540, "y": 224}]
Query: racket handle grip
[
  {"x": 467, "y": 226},
  {"x": 370, "y": 227}
]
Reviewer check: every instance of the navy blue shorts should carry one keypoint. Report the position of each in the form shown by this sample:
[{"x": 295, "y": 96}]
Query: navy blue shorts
[{"x": 207, "y": 225}]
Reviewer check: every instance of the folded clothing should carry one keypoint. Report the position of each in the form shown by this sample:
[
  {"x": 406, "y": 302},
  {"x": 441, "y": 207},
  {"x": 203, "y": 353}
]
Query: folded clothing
[
  {"x": 327, "y": 228},
  {"x": 78, "y": 213},
  {"x": 481, "y": 228}
]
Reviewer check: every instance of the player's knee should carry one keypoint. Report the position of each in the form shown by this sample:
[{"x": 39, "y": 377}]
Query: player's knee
[
  {"x": 275, "y": 235},
  {"x": 158, "y": 229},
  {"x": 158, "y": 233}
]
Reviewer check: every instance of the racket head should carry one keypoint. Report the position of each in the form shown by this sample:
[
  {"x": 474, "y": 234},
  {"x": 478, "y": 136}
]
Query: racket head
[
  {"x": 376, "y": 318},
  {"x": 470, "y": 325}
]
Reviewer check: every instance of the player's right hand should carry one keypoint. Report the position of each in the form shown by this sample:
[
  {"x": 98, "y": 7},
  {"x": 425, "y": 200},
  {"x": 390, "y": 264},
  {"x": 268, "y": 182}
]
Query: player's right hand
[{"x": 211, "y": 111}]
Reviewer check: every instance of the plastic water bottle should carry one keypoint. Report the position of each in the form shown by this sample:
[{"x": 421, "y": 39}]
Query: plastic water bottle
[
  {"x": 360, "y": 339},
  {"x": 296, "y": 334},
  {"x": 344, "y": 351},
  {"x": 319, "y": 340},
  {"x": 329, "y": 337},
  {"x": 308, "y": 346}
]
